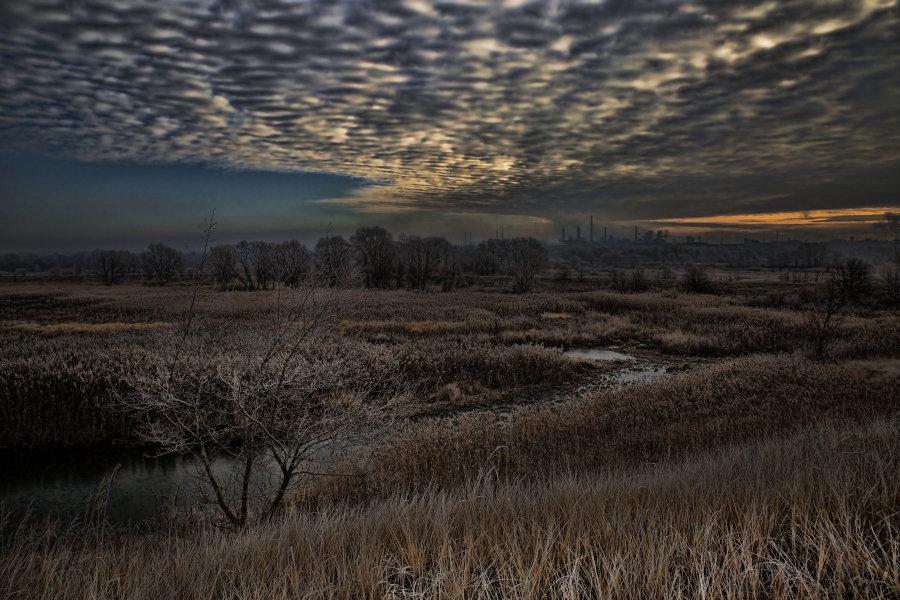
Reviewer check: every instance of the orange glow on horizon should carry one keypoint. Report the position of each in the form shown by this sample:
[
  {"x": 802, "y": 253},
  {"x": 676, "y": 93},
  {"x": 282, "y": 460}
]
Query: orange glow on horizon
[{"x": 813, "y": 218}]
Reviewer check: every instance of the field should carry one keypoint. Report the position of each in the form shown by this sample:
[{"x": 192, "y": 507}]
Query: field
[{"x": 742, "y": 449}]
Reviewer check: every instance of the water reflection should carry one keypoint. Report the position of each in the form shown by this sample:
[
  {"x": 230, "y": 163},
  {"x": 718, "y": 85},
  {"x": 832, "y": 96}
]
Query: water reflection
[{"x": 65, "y": 486}]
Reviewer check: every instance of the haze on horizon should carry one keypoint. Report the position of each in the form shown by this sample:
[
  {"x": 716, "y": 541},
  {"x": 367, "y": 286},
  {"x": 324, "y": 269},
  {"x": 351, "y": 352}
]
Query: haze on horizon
[{"x": 125, "y": 121}]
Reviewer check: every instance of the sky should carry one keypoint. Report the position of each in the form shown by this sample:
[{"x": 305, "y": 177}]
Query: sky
[{"x": 124, "y": 122}]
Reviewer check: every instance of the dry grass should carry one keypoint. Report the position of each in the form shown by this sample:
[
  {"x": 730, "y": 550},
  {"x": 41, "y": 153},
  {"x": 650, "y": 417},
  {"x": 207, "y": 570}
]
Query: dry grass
[
  {"x": 734, "y": 402},
  {"x": 813, "y": 516},
  {"x": 765, "y": 476},
  {"x": 66, "y": 346},
  {"x": 409, "y": 327},
  {"x": 64, "y": 328}
]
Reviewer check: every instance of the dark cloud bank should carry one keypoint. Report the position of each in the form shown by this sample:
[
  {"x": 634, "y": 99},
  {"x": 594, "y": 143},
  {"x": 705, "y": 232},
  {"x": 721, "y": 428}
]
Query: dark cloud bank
[{"x": 630, "y": 110}]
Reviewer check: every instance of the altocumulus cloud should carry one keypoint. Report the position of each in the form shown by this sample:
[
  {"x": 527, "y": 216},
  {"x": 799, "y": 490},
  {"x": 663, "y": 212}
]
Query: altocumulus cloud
[{"x": 630, "y": 109}]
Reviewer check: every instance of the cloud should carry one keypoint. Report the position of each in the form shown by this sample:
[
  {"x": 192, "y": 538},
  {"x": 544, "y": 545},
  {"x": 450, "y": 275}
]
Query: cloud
[{"x": 634, "y": 110}]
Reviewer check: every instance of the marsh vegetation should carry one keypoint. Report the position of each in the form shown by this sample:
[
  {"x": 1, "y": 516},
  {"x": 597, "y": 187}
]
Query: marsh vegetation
[{"x": 394, "y": 443}]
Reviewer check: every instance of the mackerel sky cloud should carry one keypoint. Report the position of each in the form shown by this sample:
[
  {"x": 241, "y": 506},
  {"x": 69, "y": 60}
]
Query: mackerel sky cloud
[{"x": 634, "y": 111}]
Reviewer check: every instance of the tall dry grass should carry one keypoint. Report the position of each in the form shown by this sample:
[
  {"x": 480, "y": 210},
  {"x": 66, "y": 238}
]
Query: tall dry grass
[
  {"x": 733, "y": 402},
  {"x": 811, "y": 516},
  {"x": 66, "y": 348}
]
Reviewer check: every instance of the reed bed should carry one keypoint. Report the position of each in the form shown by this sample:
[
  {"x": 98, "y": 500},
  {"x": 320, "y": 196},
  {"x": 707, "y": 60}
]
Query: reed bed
[
  {"x": 68, "y": 347},
  {"x": 59, "y": 388},
  {"x": 811, "y": 516},
  {"x": 56, "y": 390},
  {"x": 733, "y": 402}
]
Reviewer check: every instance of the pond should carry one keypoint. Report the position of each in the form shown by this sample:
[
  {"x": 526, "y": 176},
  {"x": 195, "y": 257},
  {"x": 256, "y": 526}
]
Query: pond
[
  {"x": 65, "y": 486},
  {"x": 139, "y": 487}
]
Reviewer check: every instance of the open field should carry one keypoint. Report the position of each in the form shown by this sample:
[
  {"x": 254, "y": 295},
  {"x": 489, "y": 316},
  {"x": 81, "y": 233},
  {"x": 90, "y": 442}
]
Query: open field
[{"x": 752, "y": 464}]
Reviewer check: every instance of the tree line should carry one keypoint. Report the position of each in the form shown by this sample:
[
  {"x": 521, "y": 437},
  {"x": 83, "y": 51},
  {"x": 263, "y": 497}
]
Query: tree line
[{"x": 370, "y": 257}]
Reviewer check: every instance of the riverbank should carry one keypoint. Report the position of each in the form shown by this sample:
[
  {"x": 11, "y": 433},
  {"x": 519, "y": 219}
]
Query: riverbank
[{"x": 808, "y": 516}]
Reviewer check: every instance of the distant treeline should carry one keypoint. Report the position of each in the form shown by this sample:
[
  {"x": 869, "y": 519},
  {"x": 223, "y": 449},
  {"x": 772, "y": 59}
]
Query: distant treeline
[
  {"x": 790, "y": 254},
  {"x": 370, "y": 256},
  {"x": 375, "y": 259}
]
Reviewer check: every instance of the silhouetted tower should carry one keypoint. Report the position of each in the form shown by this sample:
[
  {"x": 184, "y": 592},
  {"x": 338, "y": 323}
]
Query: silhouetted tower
[
  {"x": 635, "y": 234},
  {"x": 592, "y": 229},
  {"x": 578, "y": 233},
  {"x": 604, "y": 233},
  {"x": 562, "y": 237}
]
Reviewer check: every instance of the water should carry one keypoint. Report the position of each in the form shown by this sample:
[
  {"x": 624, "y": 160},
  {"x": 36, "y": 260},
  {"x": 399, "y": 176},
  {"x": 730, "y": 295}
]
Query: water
[
  {"x": 137, "y": 488},
  {"x": 141, "y": 488},
  {"x": 597, "y": 354},
  {"x": 65, "y": 486}
]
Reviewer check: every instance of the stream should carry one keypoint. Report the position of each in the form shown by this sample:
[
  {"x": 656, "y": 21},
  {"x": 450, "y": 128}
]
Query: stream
[{"x": 139, "y": 488}]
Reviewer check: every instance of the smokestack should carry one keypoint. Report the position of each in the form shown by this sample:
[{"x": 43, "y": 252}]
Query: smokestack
[
  {"x": 578, "y": 233},
  {"x": 592, "y": 229},
  {"x": 604, "y": 233},
  {"x": 562, "y": 237},
  {"x": 635, "y": 234}
]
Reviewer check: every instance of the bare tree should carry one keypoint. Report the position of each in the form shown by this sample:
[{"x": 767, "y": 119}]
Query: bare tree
[
  {"x": 374, "y": 254},
  {"x": 823, "y": 318},
  {"x": 222, "y": 265},
  {"x": 482, "y": 261},
  {"x": 853, "y": 279},
  {"x": 697, "y": 281},
  {"x": 449, "y": 267},
  {"x": 526, "y": 258},
  {"x": 333, "y": 253},
  {"x": 889, "y": 285},
  {"x": 579, "y": 266},
  {"x": 639, "y": 282},
  {"x": 161, "y": 262},
  {"x": 259, "y": 407},
  {"x": 244, "y": 255},
  {"x": 292, "y": 263},
  {"x": 111, "y": 264},
  {"x": 263, "y": 258},
  {"x": 422, "y": 258},
  {"x": 618, "y": 281}
]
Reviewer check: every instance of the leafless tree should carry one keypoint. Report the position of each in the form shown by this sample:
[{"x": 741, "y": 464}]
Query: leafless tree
[
  {"x": 526, "y": 259},
  {"x": 697, "y": 281},
  {"x": 853, "y": 280},
  {"x": 422, "y": 258},
  {"x": 823, "y": 318},
  {"x": 222, "y": 265},
  {"x": 161, "y": 262},
  {"x": 448, "y": 265},
  {"x": 638, "y": 280},
  {"x": 374, "y": 254},
  {"x": 263, "y": 257},
  {"x": 889, "y": 285},
  {"x": 292, "y": 263},
  {"x": 111, "y": 263},
  {"x": 244, "y": 256},
  {"x": 260, "y": 407},
  {"x": 482, "y": 261},
  {"x": 334, "y": 253}
]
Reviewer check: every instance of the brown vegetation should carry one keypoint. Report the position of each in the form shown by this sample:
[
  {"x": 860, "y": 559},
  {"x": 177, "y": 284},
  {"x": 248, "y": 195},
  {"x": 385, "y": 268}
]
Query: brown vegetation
[
  {"x": 741, "y": 400},
  {"x": 764, "y": 474},
  {"x": 812, "y": 516},
  {"x": 69, "y": 347}
]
